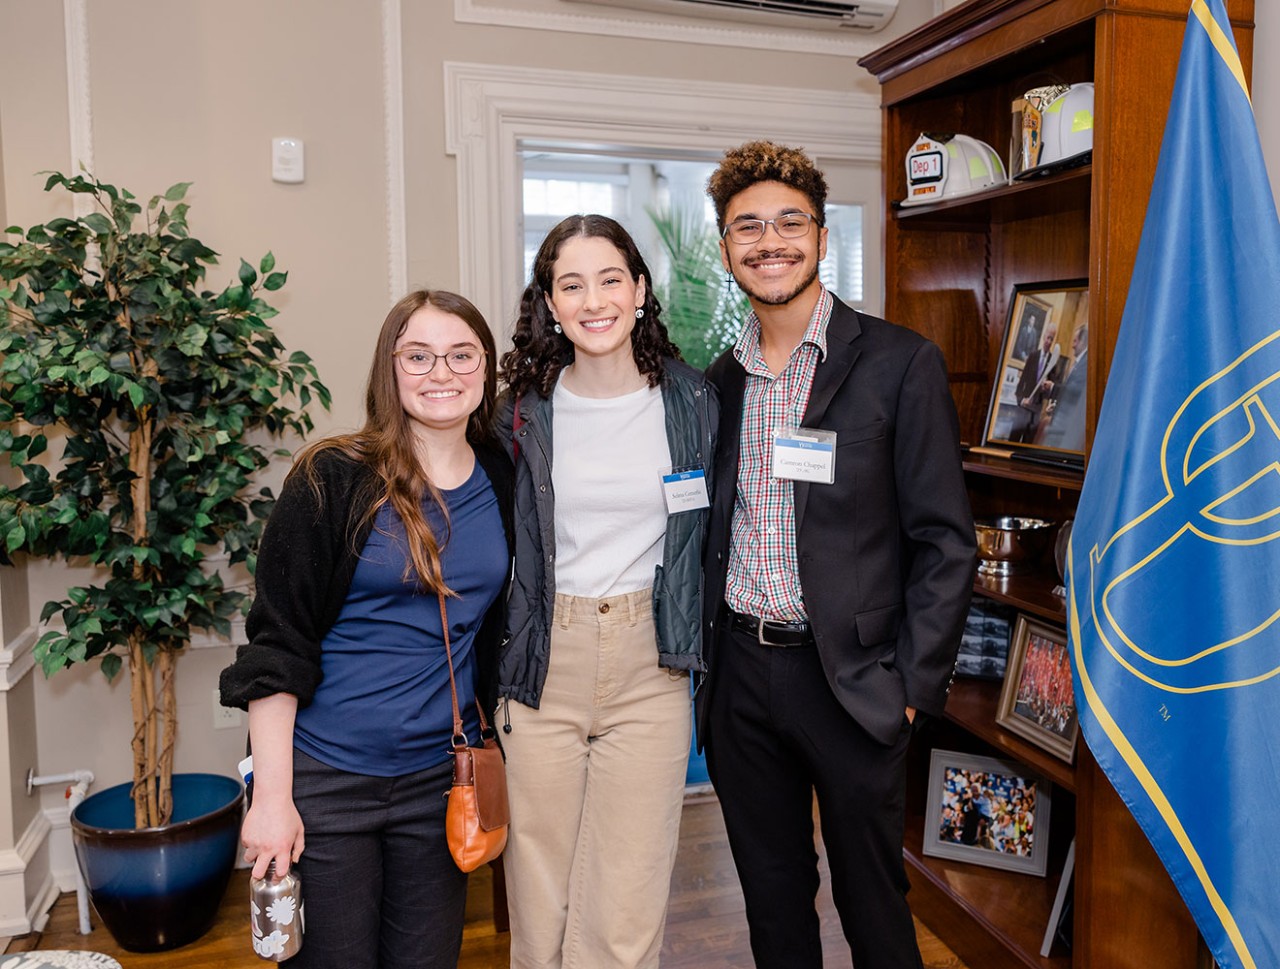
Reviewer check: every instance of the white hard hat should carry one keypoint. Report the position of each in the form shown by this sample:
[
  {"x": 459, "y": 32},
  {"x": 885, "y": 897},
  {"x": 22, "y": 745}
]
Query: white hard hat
[
  {"x": 950, "y": 166},
  {"x": 1067, "y": 135}
]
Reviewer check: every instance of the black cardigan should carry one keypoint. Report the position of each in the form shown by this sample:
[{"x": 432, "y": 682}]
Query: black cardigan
[{"x": 309, "y": 552}]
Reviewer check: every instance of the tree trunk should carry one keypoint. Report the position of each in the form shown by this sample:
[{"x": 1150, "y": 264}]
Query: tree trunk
[
  {"x": 152, "y": 794},
  {"x": 141, "y": 704},
  {"x": 169, "y": 699}
]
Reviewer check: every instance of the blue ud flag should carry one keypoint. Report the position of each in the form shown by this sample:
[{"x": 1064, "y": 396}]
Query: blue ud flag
[{"x": 1174, "y": 563}]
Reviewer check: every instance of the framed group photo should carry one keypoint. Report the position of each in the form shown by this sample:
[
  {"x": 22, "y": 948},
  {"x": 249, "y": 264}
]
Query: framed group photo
[
  {"x": 987, "y": 812},
  {"x": 1038, "y": 701},
  {"x": 1037, "y": 405}
]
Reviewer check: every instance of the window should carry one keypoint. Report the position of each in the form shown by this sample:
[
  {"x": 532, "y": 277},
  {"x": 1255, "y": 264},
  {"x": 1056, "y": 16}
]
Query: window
[{"x": 841, "y": 271}]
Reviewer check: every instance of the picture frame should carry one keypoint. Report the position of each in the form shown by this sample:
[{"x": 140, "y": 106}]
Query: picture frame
[
  {"x": 987, "y": 811},
  {"x": 984, "y": 643},
  {"x": 1058, "y": 928},
  {"x": 1037, "y": 701},
  {"x": 1037, "y": 408}
]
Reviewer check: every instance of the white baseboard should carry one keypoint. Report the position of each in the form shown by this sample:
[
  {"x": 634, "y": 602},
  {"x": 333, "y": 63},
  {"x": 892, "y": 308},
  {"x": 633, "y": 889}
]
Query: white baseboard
[
  {"x": 28, "y": 888},
  {"x": 62, "y": 854},
  {"x": 38, "y": 912}
]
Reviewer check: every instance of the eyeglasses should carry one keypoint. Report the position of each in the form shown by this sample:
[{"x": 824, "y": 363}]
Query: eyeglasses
[
  {"x": 418, "y": 363},
  {"x": 790, "y": 226}
]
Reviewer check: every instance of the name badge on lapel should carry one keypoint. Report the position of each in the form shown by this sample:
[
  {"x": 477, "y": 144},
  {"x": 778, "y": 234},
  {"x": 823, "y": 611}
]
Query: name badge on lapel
[
  {"x": 685, "y": 490},
  {"x": 804, "y": 454}
]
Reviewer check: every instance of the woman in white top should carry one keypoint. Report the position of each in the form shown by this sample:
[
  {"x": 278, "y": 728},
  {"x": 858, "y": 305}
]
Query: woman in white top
[{"x": 612, "y": 436}]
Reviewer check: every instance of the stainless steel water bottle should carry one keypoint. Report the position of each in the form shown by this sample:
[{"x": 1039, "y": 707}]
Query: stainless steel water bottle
[{"x": 275, "y": 914}]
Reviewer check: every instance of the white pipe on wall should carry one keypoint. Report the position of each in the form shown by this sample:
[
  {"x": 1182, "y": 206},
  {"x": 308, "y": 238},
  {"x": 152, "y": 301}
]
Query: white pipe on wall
[{"x": 78, "y": 782}]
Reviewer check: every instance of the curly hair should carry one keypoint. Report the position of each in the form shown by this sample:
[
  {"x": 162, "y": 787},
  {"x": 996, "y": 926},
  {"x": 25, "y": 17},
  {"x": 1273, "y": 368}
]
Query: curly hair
[
  {"x": 766, "y": 161},
  {"x": 386, "y": 441},
  {"x": 539, "y": 352}
]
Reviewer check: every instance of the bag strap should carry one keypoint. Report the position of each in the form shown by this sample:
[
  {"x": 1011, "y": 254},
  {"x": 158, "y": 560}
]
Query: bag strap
[
  {"x": 516, "y": 423},
  {"x": 459, "y": 737}
]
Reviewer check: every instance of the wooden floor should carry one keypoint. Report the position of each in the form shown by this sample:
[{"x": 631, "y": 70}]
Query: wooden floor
[{"x": 706, "y": 928}]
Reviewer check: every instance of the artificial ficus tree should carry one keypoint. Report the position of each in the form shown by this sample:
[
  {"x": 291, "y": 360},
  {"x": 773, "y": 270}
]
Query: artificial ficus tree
[{"x": 159, "y": 394}]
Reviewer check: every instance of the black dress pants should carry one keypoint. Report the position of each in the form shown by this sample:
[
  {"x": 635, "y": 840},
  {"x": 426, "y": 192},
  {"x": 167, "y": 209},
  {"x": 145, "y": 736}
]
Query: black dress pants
[
  {"x": 380, "y": 888},
  {"x": 775, "y": 735}
]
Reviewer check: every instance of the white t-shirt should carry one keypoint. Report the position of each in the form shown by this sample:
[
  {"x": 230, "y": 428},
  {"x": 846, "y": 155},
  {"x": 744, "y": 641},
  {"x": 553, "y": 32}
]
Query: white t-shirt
[{"x": 611, "y": 517}]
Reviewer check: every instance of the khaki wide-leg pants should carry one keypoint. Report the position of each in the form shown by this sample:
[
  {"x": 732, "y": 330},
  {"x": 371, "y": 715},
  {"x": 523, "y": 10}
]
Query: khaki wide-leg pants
[{"x": 596, "y": 780}]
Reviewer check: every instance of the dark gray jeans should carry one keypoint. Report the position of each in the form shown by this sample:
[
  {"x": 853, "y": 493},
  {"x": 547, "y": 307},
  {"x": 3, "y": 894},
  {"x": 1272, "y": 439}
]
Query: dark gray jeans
[{"x": 379, "y": 886}]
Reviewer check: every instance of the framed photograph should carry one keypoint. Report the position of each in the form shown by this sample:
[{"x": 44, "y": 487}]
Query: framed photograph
[
  {"x": 1038, "y": 401},
  {"x": 1058, "y": 928},
  {"x": 1038, "y": 701},
  {"x": 984, "y": 644},
  {"x": 988, "y": 812}
]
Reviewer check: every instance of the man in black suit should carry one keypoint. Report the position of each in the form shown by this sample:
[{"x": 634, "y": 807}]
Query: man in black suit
[
  {"x": 1039, "y": 368},
  {"x": 1066, "y": 420},
  {"x": 836, "y": 585}
]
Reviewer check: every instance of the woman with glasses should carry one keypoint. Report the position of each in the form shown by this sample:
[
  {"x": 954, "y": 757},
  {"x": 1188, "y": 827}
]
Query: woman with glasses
[
  {"x": 345, "y": 675},
  {"x": 613, "y": 439}
]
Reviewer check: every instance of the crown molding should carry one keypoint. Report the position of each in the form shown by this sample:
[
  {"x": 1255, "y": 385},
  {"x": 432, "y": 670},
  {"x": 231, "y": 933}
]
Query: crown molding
[
  {"x": 686, "y": 30},
  {"x": 492, "y": 112}
]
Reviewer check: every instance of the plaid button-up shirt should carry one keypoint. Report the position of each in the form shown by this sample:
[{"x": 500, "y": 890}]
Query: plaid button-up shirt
[{"x": 764, "y": 577}]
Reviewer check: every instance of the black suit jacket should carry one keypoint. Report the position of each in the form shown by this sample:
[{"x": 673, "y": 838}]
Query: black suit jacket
[{"x": 886, "y": 553}]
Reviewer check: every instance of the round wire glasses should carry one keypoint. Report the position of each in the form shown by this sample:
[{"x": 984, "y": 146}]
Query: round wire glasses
[{"x": 417, "y": 362}]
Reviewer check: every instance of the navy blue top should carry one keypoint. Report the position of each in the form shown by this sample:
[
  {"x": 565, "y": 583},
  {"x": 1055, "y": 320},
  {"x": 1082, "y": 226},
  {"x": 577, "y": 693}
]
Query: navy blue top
[{"x": 383, "y": 706}]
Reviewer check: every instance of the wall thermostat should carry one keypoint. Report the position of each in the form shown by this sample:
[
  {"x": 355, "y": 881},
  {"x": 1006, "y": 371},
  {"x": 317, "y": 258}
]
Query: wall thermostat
[{"x": 287, "y": 160}]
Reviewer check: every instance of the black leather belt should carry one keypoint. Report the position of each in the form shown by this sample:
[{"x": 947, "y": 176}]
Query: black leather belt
[{"x": 773, "y": 632}]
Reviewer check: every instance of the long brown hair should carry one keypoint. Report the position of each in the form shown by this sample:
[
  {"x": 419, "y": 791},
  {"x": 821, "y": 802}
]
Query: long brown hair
[
  {"x": 386, "y": 442},
  {"x": 540, "y": 353}
]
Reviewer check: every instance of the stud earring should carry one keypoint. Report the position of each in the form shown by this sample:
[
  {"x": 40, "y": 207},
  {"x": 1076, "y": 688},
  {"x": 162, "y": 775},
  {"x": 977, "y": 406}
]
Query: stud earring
[
  {"x": 557, "y": 328},
  {"x": 640, "y": 313}
]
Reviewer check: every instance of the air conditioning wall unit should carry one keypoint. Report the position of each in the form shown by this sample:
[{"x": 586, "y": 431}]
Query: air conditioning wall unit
[{"x": 864, "y": 15}]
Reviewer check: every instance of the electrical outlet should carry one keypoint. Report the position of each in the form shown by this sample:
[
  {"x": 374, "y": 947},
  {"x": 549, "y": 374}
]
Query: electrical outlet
[{"x": 225, "y": 717}]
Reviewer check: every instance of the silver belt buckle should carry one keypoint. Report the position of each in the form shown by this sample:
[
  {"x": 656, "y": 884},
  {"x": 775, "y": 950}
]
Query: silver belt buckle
[{"x": 760, "y": 632}]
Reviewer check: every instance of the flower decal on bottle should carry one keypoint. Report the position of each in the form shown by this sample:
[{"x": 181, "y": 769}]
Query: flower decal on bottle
[
  {"x": 271, "y": 945},
  {"x": 277, "y": 915},
  {"x": 281, "y": 910}
]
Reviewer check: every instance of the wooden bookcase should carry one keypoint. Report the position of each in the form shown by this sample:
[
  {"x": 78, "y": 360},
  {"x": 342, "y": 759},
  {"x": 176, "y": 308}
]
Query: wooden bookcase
[{"x": 950, "y": 269}]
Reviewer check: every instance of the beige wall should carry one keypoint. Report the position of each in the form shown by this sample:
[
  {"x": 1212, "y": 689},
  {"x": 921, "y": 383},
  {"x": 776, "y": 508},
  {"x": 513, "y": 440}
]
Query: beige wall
[{"x": 189, "y": 92}]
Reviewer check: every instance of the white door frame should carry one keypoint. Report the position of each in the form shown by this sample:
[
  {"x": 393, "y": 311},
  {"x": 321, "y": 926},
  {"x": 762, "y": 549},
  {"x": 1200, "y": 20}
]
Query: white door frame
[{"x": 491, "y": 111}]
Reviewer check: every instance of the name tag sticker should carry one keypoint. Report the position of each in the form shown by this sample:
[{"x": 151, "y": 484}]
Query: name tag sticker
[
  {"x": 685, "y": 490},
  {"x": 804, "y": 454}
]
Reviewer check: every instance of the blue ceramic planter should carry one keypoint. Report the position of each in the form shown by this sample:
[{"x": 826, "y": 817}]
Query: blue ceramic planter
[{"x": 159, "y": 888}]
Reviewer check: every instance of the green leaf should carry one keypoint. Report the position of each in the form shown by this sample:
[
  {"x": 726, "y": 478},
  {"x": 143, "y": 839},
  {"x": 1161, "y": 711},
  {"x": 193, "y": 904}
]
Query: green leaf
[
  {"x": 275, "y": 281},
  {"x": 98, "y": 223},
  {"x": 15, "y": 538},
  {"x": 111, "y": 664},
  {"x": 177, "y": 192},
  {"x": 247, "y": 276},
  {"x": 267, "y": 264}
]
